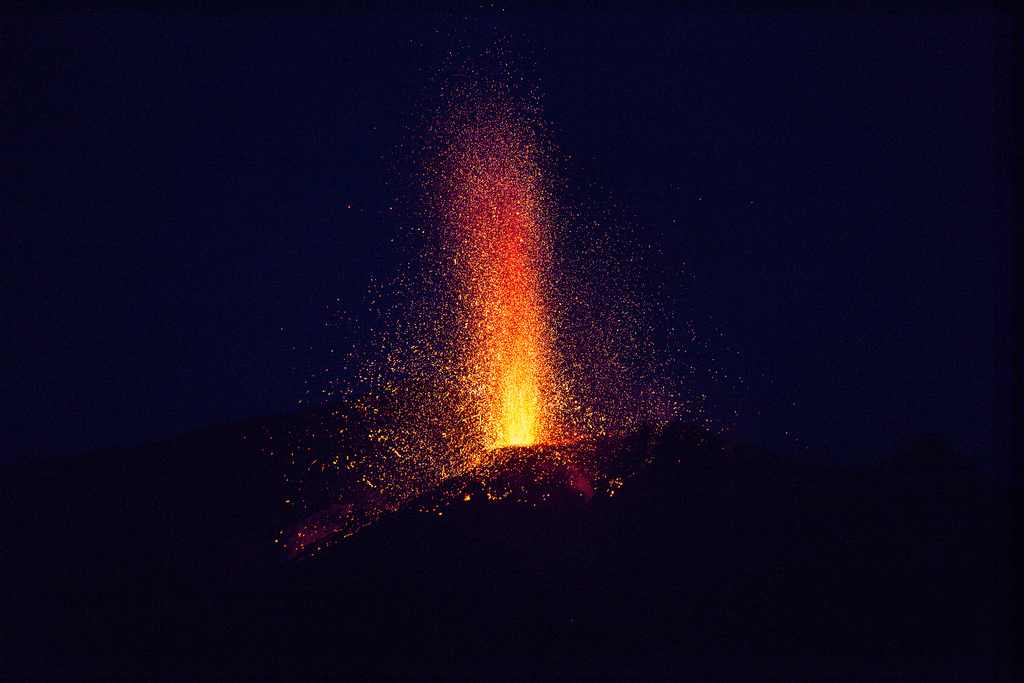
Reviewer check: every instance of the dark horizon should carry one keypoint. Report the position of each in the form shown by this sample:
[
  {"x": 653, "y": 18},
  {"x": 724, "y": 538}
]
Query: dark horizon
[{"x": 198, "y": 205}]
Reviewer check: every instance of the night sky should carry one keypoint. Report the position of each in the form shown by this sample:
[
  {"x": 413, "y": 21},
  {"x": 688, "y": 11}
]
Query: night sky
[{"x": 195, "y": 206}]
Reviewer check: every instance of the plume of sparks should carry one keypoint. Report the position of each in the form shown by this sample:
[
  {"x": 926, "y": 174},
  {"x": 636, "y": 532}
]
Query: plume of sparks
[
  {"x": 495, "y": 219},
  {"x": 506, "y": 364}
]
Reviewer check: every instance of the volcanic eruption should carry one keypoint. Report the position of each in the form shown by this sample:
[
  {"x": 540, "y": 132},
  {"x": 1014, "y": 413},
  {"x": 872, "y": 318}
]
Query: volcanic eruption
[{"x": 490, "y": 368}]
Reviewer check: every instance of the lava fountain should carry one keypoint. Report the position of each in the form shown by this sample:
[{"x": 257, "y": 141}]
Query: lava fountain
[
  {"x": 494, "y": 219},
  {"x": 504, "y": 374}
]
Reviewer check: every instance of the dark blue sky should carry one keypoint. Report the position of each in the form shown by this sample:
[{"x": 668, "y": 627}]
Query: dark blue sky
[{"x": 195, "y": 207}]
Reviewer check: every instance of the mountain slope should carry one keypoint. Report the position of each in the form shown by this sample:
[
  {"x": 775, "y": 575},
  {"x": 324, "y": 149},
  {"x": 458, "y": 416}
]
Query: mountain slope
[{"x": 678, "y": 553}]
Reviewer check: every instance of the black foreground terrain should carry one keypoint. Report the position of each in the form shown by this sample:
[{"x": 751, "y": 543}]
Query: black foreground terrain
[{"x": 711, "y": 558}]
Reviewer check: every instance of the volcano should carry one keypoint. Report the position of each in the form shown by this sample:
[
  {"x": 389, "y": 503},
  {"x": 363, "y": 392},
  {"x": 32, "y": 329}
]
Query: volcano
[{"x": 664, "y": 550}]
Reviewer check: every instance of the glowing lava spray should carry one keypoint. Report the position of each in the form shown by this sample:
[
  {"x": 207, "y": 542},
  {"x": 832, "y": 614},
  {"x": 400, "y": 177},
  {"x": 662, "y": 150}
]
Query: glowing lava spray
[
  {"x": 495, "y": 340},
  {"x": 496, "y": 225}
]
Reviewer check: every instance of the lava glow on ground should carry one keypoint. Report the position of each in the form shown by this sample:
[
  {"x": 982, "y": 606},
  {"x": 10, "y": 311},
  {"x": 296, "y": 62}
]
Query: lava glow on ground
[{"x": 489, "y": 370}]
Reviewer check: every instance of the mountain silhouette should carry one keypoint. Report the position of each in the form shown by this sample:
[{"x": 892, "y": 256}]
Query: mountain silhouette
[{"x": 666, "y": 550}]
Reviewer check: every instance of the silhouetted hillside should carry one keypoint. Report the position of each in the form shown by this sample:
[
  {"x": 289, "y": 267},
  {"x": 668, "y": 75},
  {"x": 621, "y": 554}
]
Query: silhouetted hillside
[{"x": 682, "y": 554}]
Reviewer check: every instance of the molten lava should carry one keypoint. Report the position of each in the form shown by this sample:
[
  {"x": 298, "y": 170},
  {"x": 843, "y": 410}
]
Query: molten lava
[{"x": 496, "y": 224}]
